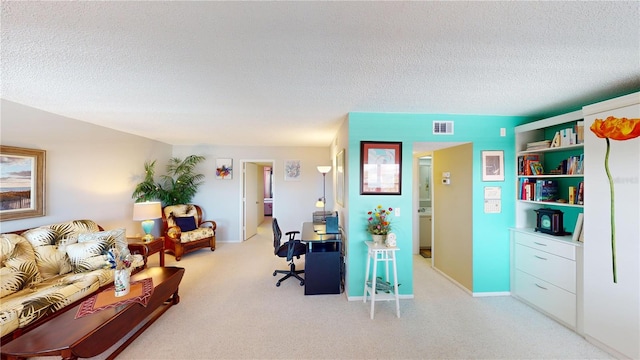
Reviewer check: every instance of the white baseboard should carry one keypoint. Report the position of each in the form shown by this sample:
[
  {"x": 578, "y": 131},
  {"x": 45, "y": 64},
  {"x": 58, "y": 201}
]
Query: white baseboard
[
  {"x": 606, "y": 348},
  {"x": 361, "y": 298},
  {"x": 493, "y": 293},
  {"x": 453, "y": 281}
]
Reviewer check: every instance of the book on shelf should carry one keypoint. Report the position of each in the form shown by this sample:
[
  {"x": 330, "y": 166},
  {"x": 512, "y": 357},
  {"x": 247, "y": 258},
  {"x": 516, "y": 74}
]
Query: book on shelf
[
  {"x": 546, "y": 190},
  {"x": 577, "y": 231},
  {"x": 556, "y": 140},
  {"x": 524, "y": 163},
  {"x": 567, "y": 137},
  {"x": 580, "y": 194},
  {"x": 572, "y": 195},
  {"x": 537, "y": 145},
  {"x": 573, "y": 165},
  {"x": 580, "y": 132},
  {"x": 526, "y": 193},
  {"x": 536, "y": 168},
  {"x": 538, "y": 190}
]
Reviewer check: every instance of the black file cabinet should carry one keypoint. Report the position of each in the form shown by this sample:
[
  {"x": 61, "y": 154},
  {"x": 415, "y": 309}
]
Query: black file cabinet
[{"x": 323, "y": 268}]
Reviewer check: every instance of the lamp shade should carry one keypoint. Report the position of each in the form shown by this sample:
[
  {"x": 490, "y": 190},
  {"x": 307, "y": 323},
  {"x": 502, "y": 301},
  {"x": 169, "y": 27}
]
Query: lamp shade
[
  {"x": 147, "y": 211},
  {"x": 324, "y": 169}
]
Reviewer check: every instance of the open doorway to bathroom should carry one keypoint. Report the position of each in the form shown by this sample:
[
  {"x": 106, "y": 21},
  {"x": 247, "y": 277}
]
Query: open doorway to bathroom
[
  {"x": 451, "y": 191},
  {"x": 425, "y": 187},
  {"x": 257, "y": 195}
]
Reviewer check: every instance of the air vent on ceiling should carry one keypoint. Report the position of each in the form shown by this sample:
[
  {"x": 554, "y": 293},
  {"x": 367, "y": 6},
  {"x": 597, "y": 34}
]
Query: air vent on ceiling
[{"x": 442, "y": 127}]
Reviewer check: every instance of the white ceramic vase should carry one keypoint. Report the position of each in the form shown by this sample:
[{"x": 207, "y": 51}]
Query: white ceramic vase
[{"x": 122, "y": 282}]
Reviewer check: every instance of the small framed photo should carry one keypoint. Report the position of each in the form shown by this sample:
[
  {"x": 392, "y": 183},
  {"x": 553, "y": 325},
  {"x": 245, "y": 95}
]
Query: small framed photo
[
  {"x": 224, "y": 169},
  {"x": 292, "y": 170},
  {"x": 23, "y": 183},
  {"x": 380, "y": 168},
  {"x": 493, "y": 165}
]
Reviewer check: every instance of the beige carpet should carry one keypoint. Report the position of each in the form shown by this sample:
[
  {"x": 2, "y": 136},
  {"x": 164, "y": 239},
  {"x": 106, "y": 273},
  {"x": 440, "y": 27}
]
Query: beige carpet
[{"x": 231, "y": 309}]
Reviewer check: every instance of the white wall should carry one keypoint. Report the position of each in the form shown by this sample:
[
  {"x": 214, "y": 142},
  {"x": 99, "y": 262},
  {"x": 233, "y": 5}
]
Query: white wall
[
  {"x": 612, "y": 310},
  {"x": 293, "y": 202},
  {"x": 90, "y": 170}
]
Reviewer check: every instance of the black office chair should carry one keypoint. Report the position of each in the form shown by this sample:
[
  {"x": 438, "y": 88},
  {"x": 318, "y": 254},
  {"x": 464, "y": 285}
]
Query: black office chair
[{"x": 292, "y": 248}]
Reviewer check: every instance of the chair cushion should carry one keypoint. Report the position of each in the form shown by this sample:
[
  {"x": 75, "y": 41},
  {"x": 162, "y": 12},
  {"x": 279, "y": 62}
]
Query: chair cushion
[
  {"x": 187, "y": 223},
  {"x": 197, "y": 234}
]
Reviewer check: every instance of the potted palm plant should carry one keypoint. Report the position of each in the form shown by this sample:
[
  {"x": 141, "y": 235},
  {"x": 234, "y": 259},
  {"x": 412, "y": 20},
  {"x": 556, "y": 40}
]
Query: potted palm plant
[{"x": 178, "y": 186}]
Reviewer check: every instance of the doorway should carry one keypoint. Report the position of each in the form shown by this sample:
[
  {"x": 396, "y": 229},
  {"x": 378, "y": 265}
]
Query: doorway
[
  {"x": 257, "y": 194},
  {"x": 451, "y": 208}
]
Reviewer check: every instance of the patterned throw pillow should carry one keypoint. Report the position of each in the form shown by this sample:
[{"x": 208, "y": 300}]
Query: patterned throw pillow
[
  {"x": 90, "y": 252},
  {"x": 51, "y": 260},
  {"x": 18, "y": 262}
]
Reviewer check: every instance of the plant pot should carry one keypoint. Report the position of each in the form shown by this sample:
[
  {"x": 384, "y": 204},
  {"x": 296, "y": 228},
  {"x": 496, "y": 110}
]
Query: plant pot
[{"x": 378, "y": 239}]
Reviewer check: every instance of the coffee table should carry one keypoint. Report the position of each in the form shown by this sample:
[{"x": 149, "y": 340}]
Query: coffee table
[{"x": 91, "y": 335}]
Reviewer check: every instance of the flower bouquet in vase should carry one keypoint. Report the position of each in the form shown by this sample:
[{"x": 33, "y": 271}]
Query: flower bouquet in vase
[
  {"x": 121, "y": 261},
  {"x": 379, "y": 224}
]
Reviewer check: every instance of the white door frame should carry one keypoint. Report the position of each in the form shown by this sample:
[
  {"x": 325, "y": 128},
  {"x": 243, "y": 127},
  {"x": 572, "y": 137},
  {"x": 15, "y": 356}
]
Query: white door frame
[{"x": 241, "y": 164}]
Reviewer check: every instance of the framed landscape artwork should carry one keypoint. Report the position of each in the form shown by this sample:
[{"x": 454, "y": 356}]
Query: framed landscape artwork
[
  {"x": 23, "y": 183},
  {"x": 380, "y": 168}
]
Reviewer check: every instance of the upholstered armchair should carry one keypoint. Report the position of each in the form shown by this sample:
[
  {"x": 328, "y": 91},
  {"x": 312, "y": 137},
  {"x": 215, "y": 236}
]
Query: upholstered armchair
[{"x": 185, "y": 231}]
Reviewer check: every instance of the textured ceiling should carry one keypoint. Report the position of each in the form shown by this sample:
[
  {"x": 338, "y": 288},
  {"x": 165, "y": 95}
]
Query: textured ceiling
[{"x": 287, "y": 73}]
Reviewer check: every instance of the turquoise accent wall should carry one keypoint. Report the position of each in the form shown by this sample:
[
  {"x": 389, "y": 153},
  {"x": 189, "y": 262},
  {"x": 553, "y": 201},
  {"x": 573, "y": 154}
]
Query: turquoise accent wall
[{"x": 490, "y": 231}]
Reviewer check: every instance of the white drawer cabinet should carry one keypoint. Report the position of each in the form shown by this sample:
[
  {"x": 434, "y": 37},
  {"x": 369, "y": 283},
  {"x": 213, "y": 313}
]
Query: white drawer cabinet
[
  {"x": 554, "y": 269},
  {"x": 545, "y": 272}
]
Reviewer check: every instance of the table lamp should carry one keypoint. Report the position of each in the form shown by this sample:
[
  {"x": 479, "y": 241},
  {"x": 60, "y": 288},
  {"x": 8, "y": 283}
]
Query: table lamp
[{"x": 147, "y": 212}]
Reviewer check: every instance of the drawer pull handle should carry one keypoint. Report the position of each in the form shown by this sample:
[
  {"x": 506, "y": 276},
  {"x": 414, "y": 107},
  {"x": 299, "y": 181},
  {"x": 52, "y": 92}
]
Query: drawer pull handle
[
  {"x": 540, "y": 257},
  {"x": 541, "y": 244},
  {"x": 541, "y": 287}
]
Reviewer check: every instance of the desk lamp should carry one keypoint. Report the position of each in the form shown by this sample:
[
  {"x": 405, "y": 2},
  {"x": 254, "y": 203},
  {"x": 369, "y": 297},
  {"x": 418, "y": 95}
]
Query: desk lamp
[
  {"x": 147, "y": 212},
  {"x": 323, "y": 170}
]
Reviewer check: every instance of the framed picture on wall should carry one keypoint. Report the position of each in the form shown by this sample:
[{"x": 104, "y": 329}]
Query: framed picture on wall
[
  {"x": 224, "y": 169},
  {"x": 23, "y": 183},
  {"x": 493, "y": 165},
  {"x": 292, "y": 170},
  {"x": 340, "y": 178},
  {"x": 380, "y": 168}
]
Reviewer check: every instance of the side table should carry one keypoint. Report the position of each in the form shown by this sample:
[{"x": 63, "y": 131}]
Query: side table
[
  {"x": 138, "y": 246},
  {"x": 385, "y": 254}
]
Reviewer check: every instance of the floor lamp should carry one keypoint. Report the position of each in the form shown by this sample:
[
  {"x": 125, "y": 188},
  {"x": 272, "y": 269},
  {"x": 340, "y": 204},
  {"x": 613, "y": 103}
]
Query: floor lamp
[{"x": 323, "y": 170}]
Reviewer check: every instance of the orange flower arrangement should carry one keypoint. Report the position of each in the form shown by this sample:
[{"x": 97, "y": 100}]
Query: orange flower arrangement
[{"x": 616, "y": 129}]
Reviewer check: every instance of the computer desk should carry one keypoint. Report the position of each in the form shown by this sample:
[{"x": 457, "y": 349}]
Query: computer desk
[{"x": 324, "y": 262}]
